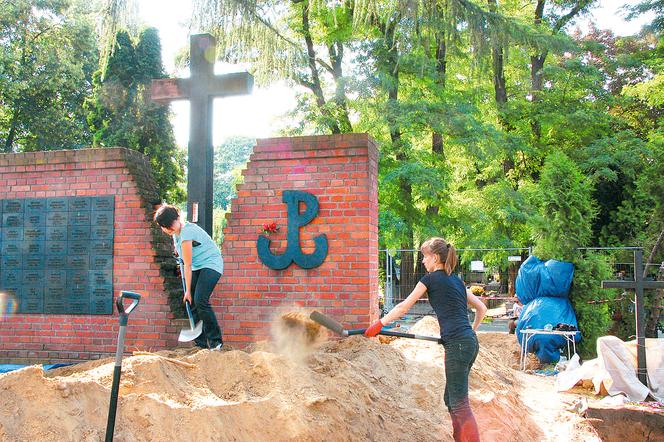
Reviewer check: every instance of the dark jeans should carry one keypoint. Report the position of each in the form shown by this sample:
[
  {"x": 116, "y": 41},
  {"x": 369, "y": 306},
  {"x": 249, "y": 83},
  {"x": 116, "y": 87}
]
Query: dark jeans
[
  {"x": 202, "y": 285},
  {"x": 460, "y": 353}
]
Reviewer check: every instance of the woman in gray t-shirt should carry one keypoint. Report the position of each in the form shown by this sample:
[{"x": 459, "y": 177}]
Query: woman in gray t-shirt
[{"x": 203, "y": 266}]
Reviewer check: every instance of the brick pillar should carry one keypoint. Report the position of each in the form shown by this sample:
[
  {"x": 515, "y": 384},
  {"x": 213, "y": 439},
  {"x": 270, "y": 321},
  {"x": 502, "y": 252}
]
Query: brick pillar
[{"x": 341, "y": 171}]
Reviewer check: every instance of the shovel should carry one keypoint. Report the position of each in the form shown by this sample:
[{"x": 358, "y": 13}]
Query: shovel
[
  {"x": 187, "y": 335},
  {"x": 337, "y": 328},
  {"x": 117, "y": 369}
]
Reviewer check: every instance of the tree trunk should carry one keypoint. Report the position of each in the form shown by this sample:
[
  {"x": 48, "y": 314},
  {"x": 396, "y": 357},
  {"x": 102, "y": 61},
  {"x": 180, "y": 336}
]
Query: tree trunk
[
  {"x": 437, "y": 144},
  {"x": 336, "y": 56},
  {"x": 536, "y": 65},
  {"x": 315, "y": 84}
]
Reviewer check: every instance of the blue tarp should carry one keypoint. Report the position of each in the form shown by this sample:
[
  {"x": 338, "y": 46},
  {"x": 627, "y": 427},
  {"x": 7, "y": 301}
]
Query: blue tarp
[
  {"x": 5, "y": 368},
  {"x": 537, "y": 314},
  {"x": 537, "y": 278}
]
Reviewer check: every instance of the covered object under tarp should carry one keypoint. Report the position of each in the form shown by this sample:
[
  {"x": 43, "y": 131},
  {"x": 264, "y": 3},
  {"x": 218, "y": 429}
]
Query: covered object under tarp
[{"x": 615, "y": 367}]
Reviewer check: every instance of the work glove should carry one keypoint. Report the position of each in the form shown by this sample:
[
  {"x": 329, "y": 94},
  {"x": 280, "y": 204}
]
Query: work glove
[{"x": 373, "y": 329}]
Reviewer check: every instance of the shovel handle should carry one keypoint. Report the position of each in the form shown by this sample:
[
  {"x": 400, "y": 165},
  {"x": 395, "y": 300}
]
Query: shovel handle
[
  {"x": 359, "y": 331},
  {"x": 135, "y": 297},
  {"x": 191, "y": 318}
]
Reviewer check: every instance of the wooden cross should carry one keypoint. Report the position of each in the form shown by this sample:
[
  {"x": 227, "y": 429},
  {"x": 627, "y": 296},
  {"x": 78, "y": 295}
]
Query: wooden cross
[
  {"x": 639, "y": 284},
  {"x": 200, "y": 89}
]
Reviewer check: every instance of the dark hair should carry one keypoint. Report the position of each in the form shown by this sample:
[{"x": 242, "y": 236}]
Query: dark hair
[
  {"x": 166, "y": 215},
  {"x": 444, "y": 250}
]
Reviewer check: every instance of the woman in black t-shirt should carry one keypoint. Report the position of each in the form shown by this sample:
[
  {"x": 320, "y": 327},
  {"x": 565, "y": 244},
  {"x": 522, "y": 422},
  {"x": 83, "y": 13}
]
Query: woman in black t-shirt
[{"x": 449, "y": 298}]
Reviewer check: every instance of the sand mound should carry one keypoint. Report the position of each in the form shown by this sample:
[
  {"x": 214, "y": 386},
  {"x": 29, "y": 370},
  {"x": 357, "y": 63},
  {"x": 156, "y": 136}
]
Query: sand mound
[{"x": 354, "y": 389}]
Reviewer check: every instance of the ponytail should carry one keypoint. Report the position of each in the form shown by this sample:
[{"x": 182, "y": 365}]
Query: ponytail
[{"x": 445, "y": 252}]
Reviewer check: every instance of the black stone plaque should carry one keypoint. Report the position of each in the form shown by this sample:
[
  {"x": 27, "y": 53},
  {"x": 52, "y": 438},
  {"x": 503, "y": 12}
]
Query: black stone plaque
[
  {"x": 79, "y": 233},
  {"x": 56, "y": 262},
  {"x": 101, "y": 262},
  {"x": 103, "y": 203},
  {"x": 34, "y": 262},
  {"x": 55, "y": 247},
  {"x": 12, "y": 233},
  {"x": 56, "y": 233},
  {"x": 78, "y": 262},
  {"x": 79, "y": 203},
  {"x": 55, "y": 278},
  {"x": 35, "y": 205},
  {"x": 12, "y": 206},
  {"x": 12, "y": 220},
  {"x": 34, "y": 247},
  {"x": 57, "y": 219},
  {"x": 57, "y": 204},
  {"x": 11, "y": 277},
  {"x": 34, "y": 219},
  {"x": 11, "y": 248},
  {"x": 57, "y": 253}
]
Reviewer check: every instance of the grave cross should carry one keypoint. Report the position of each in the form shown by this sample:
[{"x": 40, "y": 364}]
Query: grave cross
[
  {"x": 200, "y": 89},
  {"x": 639, "y": 284}
]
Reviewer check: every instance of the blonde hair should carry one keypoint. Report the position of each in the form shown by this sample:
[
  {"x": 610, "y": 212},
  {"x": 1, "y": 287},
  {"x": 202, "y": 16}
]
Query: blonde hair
[{"x": 444, "y": 250}]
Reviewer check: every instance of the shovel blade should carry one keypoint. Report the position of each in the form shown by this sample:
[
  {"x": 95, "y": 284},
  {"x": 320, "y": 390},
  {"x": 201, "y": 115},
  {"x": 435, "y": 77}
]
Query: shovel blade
[{"x": 189, "y": 334}]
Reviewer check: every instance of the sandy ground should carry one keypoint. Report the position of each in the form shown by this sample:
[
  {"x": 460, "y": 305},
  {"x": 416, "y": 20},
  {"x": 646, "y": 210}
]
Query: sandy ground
[{"x": 298, "y": 387}]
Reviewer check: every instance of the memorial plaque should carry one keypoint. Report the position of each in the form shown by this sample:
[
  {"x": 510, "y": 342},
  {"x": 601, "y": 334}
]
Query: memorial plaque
[
  {"x": 12, "y": 220},
  {"x": 34, "y": 262},
  {"x": 57, "y": 204},
  {"x": 104, "y": 247},
  {"x": 34, "y": 233},
  {"x": 56, "y": 233},
  {"x": 12, "y": 233},
  {"x": 12, "y": 206},
  {"x": 55, "y": 278},
  {"x": 78, "y": 247},
  {"x": 56, "y": 262},
  {"x": 103, "y": 203},
  {"x": 34, "y": 247},
  {"x": 79, "y": 233},
  {"x": 101, "y": 232},
  {"x": 101, "y": 262},
  {"x": 11, "y": 248},
  {"x": 11, "y": 277},
  {"x": 56, "y": 247},
  {"x": 79, "y": 218},
  {"x": 79, "y": 203},
  {"x": 35, "y": 205},
  {"x": 57, "y": 254},
  {"x": 34, "y": 219},
  {"x": 79, "y": 262}
]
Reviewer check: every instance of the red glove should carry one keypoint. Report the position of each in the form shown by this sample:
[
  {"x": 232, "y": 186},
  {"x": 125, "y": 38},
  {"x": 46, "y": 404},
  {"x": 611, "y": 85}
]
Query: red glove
[{"x": 373, "y": 329}]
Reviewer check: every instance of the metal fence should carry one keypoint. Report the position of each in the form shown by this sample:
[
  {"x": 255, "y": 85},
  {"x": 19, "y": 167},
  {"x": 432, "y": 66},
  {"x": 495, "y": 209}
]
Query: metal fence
[{"x": 493, "y": 269}]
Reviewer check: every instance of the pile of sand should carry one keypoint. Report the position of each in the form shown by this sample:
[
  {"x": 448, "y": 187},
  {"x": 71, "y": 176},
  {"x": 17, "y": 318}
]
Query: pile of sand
[{"x": 354, "y": 389}]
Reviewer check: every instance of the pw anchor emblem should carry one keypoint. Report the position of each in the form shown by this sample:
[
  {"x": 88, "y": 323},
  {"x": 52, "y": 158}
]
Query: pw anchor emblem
[{"x": 294, "y": 252}]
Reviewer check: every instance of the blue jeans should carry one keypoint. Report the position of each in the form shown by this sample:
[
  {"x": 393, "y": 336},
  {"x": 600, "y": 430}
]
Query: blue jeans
[
  {"x": 202, "y": 285},
  {"x": 460, "y": 354}
]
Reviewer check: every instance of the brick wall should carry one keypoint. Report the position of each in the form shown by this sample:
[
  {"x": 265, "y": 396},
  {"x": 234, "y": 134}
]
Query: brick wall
[
  {"x": 341, "y": 171},
  {"x": 140, "y": 255}
]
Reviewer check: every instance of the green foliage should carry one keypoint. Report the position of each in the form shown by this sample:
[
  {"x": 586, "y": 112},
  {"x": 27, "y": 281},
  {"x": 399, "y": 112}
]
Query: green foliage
[
  {"x": 230, "y": 158},
  {"x": 47, "y": 56},
  {"x": 122, "y": 114},
  {"x": 566, "y": 209},
  {"x": 593, "y": 318}
]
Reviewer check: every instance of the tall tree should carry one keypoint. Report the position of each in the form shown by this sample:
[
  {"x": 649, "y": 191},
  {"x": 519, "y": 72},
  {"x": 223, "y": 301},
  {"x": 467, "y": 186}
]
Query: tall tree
[
  {"x": 122, "y": 113},
  {"x": 47, "y": 56}
]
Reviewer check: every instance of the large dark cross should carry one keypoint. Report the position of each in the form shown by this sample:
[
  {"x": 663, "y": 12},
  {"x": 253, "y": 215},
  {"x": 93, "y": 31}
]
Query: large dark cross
[
  {"x": 200, "y": 89},
  {"x": 639, "y": 284}
]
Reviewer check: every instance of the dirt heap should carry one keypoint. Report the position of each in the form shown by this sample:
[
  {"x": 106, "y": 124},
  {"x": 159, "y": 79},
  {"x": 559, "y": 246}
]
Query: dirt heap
[{"x": 354, "y": 389}]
